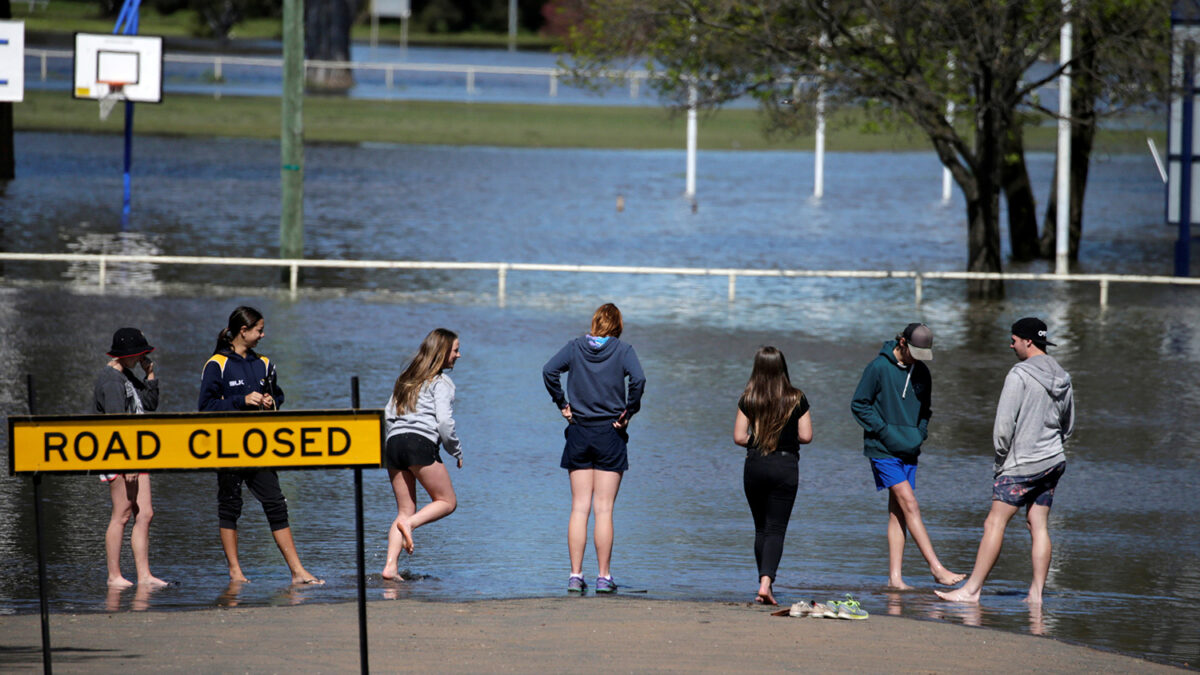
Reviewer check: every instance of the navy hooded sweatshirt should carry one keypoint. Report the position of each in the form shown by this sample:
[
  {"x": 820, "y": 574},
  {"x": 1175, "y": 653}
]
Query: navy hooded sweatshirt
[
  {"x": 228, "y": 378},
  {"x": 596, "y": 384}
]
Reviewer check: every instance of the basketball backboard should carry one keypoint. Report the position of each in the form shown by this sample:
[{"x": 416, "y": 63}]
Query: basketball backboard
[
  {"x": 12, "y": 61},
  {"x": 132, "y": 62}
]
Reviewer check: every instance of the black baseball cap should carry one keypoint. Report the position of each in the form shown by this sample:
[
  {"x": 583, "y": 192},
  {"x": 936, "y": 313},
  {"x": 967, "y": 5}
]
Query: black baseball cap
[
  {"x": 920, "y": 341},
  {"x": 1032, "y": 328}
]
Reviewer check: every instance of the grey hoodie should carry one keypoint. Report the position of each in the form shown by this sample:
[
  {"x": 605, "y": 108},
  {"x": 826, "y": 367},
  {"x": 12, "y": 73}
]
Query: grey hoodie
[
  {"x": 433, "y": 418},
  {"x": 1035, "y": 415}
]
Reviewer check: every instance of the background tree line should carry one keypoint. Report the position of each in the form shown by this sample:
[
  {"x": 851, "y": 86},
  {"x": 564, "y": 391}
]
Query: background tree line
[
  {"x": 906, "y": 60},
  {"x": 216, "y": 18}
]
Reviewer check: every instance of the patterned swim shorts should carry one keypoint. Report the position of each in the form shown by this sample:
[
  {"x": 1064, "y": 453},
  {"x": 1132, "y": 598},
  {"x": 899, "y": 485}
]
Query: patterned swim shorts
[{"x": 1025, "y": 490}]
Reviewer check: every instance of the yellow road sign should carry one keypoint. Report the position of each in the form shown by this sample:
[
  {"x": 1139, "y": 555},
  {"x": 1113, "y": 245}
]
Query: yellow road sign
[{"x": 190, "y": 441}]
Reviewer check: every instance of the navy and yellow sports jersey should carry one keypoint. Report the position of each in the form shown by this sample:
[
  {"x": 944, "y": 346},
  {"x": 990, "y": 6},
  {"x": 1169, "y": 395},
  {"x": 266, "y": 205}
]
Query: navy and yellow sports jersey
[{"x": 228, "y": 378}]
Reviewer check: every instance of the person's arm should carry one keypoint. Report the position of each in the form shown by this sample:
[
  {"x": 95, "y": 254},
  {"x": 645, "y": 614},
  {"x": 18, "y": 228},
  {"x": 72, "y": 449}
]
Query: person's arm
[
  {"x": 741, "y": 429},
  {"x": 149, "y": 395},
  {"x": 804, "y": 430},
  {"x": 926, "y": 404},
  {"x": 862, "y": 406},
  {"x": 637, "y": 385},
  {"x": 275, "y": 390},
  {"x": 1007, "y": 409},
  {"x": 109, "y": 394},
  {"x": 551, "y": 376},
  {"x": 212, "y": 392},
  {"x": 1067, "y": 421},
  {"x": 443, "y": 412}
]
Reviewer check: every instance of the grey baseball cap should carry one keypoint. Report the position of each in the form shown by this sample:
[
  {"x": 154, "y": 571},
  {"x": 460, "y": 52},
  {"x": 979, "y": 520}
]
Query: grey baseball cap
[{"x": 920, "y": 341}]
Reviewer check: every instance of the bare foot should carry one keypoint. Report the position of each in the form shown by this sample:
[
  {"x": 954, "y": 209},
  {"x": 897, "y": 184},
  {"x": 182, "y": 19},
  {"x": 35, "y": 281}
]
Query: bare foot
[
  {"x": 390, "y": 573},
  {"x": 897, "y": 585},
  {"x": 958, "y": 595},
  {"x": 153, "y": 582},
  {"x": 765, "y": 598},
  {"x": 406, "y": 532},
  {"x": 238, "y": 578},
  {"x": 1033, "y": 599},
  {"x": 947, "y": 578},
  {"x": 306, "y": 579},
  {"x": 119, "y": 582}
]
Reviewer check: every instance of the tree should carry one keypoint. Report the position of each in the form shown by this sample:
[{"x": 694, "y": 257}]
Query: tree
[
  {"x": 903, "y": 57},
  {"x": 327, "y": 38}
]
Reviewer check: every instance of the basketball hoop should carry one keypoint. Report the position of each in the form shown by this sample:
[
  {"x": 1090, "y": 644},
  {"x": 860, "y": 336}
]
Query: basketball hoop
[{"x": 116, "y": 92}]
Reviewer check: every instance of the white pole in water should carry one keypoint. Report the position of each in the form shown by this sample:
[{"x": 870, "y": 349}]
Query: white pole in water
[
  {"x": 691, "y": 143},
  {"x": 819, "y": 141},
  {"x": 946, "y": 177},
  {"x": 1062, "y": 213},
  {"x": 819, "y": 149}
]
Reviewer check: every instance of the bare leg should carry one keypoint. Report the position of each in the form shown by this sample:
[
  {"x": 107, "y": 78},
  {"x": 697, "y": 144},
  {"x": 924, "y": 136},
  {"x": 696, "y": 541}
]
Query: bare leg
[
  {"x": 229, "y": 544},
  {"x": 985, "y": 559},
  {"x": 896, "y": 533},
  {"x": 442, "y": 501},
  {"x": 605, "y": 485},
  {"x": 765, "y": 596},
  {"x": 287, "y": 546},
  {"x": 1037, "y": 517},
  {"x": 404, "y": 486},
  {"x": 139, "y": 540},
  {"x": 581, "y": 508},
  {"x": 122, "y": 509},
  {"x": 906, "y": 499}
]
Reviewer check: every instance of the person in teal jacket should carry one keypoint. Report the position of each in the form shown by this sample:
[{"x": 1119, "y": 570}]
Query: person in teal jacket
[{"x": 892, "y": 404}]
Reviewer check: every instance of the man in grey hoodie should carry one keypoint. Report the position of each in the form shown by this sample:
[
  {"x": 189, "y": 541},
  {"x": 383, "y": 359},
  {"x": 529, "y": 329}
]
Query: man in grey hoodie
[{"x": 1035, "y": 415}]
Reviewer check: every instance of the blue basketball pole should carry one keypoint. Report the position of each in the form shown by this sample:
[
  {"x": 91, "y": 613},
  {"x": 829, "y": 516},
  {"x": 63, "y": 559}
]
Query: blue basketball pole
[{"x": 127, "y": 24}]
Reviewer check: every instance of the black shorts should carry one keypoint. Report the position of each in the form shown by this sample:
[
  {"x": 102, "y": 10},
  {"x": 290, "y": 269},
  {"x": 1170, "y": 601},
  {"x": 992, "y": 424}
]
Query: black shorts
[
  {"x": 405, "y": 450},
  {"x": 595, "y": 447}
]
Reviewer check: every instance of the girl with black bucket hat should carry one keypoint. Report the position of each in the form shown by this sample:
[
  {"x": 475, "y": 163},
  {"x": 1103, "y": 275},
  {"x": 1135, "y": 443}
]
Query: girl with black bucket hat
[
  {"x": 118, "y": 390},
  {"x": 238, "y": 378}
]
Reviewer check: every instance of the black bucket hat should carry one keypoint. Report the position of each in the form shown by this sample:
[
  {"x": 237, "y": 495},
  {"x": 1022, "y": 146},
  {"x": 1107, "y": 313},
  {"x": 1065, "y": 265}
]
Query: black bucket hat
[{"x": 129, "y": 342}]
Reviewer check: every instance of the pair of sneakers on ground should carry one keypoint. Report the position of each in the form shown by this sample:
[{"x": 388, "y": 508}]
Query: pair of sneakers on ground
[
  {"x": 576, "y": 584},
  {"x": 832, "y": 609}
]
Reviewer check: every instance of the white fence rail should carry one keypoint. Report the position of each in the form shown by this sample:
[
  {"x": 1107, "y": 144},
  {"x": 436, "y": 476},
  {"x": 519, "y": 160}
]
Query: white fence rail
[
  {"x": 389, "y": 69},
  {"x": 103, "y": 260}
]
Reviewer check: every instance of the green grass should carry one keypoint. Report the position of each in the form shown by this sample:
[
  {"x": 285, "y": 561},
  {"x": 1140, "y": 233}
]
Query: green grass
[{"x": 332, "y": 119}]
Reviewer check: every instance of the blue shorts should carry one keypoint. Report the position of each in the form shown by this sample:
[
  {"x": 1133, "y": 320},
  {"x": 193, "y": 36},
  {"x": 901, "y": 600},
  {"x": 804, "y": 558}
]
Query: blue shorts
[
  {"x": 595, "y": 447},
  {"x": 1026, "y": 490},
  {"x": 889, "y": 471}
]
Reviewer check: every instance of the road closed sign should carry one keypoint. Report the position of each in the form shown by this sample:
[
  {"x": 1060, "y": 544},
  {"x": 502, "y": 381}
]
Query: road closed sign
[{"x": 195, "y": 441}]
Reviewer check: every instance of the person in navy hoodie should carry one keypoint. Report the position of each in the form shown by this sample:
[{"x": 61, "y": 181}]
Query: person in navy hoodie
[
  {"x": 238, "y": 378},
  {"x": 597, "y": 407}
]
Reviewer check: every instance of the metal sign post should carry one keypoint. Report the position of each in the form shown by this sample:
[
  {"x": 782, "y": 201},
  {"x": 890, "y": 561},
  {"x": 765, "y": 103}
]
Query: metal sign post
[
  {"x": 91, "y": 444},
  {"x": 363, "y": 661}
]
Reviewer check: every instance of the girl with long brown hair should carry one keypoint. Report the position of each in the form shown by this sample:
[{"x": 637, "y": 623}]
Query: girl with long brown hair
[
  {"x": 420, "y": 414},
  {"x": 772, "y": 422}
]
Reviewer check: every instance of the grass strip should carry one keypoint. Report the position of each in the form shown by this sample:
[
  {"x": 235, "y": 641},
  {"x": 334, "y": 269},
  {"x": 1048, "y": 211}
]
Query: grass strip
[{"x": 344, "y": 120}]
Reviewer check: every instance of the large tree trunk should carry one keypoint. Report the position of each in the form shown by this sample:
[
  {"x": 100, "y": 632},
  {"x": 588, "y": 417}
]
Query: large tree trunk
[
  {"x": 327, "y": 38},
  {"x": 983, "y": 201},
  {"x": 1022, "y": 208},
  {"x": 1084, "y": 91}
]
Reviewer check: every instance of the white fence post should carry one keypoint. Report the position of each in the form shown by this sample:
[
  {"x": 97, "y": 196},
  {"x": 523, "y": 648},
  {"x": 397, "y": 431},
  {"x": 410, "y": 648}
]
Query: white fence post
[{"x": 502, "y": 283}]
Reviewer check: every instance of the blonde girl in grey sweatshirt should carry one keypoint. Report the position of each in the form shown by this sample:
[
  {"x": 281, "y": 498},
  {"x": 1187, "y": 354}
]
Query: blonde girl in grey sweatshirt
[{"x": 420, "y": 416}]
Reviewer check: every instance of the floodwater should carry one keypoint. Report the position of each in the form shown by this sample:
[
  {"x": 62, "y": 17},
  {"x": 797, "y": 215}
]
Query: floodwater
[{"x": 1126, "y": 568}]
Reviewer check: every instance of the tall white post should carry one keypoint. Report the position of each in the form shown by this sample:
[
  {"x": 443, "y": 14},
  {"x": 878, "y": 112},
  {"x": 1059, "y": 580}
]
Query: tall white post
[
  {"x": 819, "y": 141},
  {"x": 691, "y": 143},
  {"x": 1062, "y": 213},
  {"x": 946, "y": 177},
  {"x": 819, "y": 150}
]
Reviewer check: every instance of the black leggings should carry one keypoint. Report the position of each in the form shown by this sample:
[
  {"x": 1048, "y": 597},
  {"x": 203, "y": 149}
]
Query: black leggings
[
  {"x": 263, "y": 483},
  {"x": 770, "y": 484}
]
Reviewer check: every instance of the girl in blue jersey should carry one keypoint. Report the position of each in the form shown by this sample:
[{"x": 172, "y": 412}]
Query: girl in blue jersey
[{"x": 238, "y": 378}]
